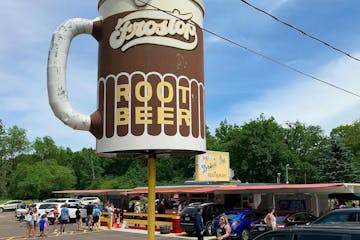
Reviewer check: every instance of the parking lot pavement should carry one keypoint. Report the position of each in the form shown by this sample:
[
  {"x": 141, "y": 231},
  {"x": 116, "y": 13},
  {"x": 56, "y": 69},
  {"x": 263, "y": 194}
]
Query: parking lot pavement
[{"x": 10, "y": 228}]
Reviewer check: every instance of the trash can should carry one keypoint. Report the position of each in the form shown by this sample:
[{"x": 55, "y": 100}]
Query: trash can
[{"x": 164, "y": 229}]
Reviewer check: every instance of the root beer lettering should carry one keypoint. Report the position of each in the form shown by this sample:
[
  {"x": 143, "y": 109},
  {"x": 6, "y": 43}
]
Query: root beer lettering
[{"x": 144, "y": 92}]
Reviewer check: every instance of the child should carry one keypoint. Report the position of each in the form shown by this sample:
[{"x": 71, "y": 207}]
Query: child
[{"x": 42, "y": 225}]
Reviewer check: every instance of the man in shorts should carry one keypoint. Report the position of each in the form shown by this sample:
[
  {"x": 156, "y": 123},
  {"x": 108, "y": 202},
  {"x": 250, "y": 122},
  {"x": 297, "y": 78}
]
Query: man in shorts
[
  {"x": 96, "y": 217},
  {"x": 89, "y": 215},
  {"x": 64, "y": 218}
]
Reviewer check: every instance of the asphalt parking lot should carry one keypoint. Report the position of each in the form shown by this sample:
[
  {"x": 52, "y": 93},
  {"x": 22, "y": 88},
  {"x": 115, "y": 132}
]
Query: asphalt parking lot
[{"x": 11, "y": 229}]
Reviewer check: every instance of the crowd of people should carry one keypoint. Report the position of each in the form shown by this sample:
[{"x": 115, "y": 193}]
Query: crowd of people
[{"x": 35, "y": 221}]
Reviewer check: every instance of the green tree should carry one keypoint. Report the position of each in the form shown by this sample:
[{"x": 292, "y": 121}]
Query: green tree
[
  {"x": 136, "y": 175},
  {"x": 211, "y": 141},
  {"x": 38, "y": 180},
  {"x": 350, "y": 135},
  {"x": 337, "y": 165},
  {"x": 174, "y": 170},
  {"x": 88, "y": 169},
  {"x": 259, "y": 152},
  {"x": 305, "y": 150},
  {"x": 13, "y": 142},
  {"x": 45, "y": 148}
]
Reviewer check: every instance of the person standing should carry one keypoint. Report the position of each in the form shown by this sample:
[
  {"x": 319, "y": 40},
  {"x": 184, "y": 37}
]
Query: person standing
[
  {"x": 224, "y": 229},
  {"x": 89, "y": 215},
  {"x": 36, "y": 217},
  {"x": 42, "y": 225},
  {"x": 96, "y": 217},
  {"x": 181, "y": 206},
  {"x": 64, "y": 218},
  {"x": 29, "y": 223},
  {"x": 78, "y": 219},
  {"x": 110, "y": 211},
  {"x": 270, "y": 219},
  {"x": 137, "y": 209},
  {"x": 199, "y": 225},
  {"x": 56, "y": 218}
]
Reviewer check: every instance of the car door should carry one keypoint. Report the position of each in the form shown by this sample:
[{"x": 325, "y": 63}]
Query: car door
[
  {"x": 321, "y": 236},
  {"x": 275, "y": 236}
]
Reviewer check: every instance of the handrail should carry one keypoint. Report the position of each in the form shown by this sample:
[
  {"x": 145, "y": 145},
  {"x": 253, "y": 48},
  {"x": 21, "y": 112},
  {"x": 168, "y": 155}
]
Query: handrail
[{"x": 171, "y": 220}]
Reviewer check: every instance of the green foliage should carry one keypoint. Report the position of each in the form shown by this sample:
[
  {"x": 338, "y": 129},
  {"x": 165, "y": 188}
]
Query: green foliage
[
  {"x": 259, "y": 149},
  {"x": 87, "y": 168},
  {"x": 306, "y": 145},
  {"x": 13, "y": 142},
  {"x": 337, "y": 165},
  {"x": 350, "y": 135},
  {"x": 45, "y": 148},
  {"x": 37, "y": 180}
]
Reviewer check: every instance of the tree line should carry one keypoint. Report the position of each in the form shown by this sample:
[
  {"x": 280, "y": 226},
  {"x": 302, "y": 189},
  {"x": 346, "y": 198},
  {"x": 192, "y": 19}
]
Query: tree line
[{"x": 259, "y": 150}]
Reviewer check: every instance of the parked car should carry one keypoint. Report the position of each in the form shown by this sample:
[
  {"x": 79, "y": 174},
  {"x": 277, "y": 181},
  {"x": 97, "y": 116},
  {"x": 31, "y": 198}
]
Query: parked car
[
  {"x": 21, "y": 210},
  {"x": 314, "y": 232},
  {"x": 70, "y": 201},
  {"x": 72, "y": 212},
  {"x": 210, "y": 211},
  {"x": 282, "y": 221},
  {"x": 10, "y": 205},
  {"x": 87, "y": 200},
  {"x": 240, "y": 221},
  {"x": 339, "y": 216}
]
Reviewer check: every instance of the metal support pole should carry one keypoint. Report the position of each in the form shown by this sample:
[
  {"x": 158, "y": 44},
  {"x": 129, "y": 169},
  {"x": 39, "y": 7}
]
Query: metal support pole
[
  {"x": 151, "y": 196},
  {"x": 287, "y": 167}
]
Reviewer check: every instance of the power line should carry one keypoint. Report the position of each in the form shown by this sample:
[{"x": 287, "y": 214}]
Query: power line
[
  {"x": 300, "y": 31},
  {"x": 258, "y": 53}
]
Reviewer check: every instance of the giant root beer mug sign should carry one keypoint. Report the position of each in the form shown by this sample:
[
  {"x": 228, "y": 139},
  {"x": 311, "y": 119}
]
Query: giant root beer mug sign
[{"x": 150, "y": 77}]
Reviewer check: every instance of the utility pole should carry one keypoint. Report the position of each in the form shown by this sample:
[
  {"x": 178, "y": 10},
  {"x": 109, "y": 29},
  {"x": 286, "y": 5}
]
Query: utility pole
[
  {"x": 287, "y": 168},
  {"x": 278, "y": 178}
]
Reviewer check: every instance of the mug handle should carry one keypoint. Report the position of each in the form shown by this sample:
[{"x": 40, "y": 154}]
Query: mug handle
[{"x": 56, "y": 72}]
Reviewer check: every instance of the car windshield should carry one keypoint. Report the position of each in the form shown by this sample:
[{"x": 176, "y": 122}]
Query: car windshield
[
  {"x": 280, "y": 219},
  {"x": 231, "y": 216},
  {"x": 338, "y": 217},
  {"x": 189, "y": 210},
  {"x": 46, "y": 206}
]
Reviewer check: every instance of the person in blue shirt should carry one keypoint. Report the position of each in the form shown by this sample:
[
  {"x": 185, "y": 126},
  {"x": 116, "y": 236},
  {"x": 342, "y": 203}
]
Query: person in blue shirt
[
  {"x": 64, "y": 218},
  {"x": 96, "y": 217},
  {"x": 42, "y": 223},
  {"x": 199, "y": 225}
]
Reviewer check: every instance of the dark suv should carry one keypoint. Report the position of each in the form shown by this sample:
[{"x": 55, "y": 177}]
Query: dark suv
[
  {"x": 339, "y": 216},
  {"x": 210, "y": 211},
  {"x": 341, "y": 231}
]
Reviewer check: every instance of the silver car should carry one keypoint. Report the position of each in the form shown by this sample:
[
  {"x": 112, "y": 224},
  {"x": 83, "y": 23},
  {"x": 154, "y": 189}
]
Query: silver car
[{"x": 10, "y": 205}]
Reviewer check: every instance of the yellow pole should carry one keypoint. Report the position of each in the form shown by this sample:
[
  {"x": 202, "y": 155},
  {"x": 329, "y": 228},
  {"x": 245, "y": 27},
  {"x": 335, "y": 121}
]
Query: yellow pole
[{"x": 151, "y": 196}]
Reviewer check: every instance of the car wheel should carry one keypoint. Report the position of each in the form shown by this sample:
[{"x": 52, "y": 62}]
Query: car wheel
[
  {"x": 1, "y": 210},
  {"x": 208, "y": 229},
  {"x": 245, "y": 234}
]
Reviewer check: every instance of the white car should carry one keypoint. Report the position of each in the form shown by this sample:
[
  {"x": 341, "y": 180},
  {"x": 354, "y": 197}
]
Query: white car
[
  {"x": 10, "y": 205},
  {"x": 21, "y": 210},
  {"x": 70, "y": 201},
  {"x": 87, "y": 200},
  {"x": 72, "y": 212}
]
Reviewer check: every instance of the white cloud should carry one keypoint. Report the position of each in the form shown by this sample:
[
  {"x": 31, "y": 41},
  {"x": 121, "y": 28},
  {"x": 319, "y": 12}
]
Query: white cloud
[{"x": 309, "y": 101}]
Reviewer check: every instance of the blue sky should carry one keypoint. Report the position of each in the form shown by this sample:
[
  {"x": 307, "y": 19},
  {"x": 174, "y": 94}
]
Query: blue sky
[{"x": 239, "y": 85}]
